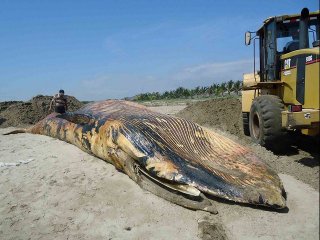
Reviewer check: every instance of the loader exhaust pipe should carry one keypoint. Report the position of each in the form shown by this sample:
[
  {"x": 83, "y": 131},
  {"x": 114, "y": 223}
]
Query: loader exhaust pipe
[{"x": 303, "y": 29}]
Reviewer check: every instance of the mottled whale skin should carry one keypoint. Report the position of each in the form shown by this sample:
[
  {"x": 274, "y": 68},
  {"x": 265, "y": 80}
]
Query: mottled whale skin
[{"x": 176, "y": 154}]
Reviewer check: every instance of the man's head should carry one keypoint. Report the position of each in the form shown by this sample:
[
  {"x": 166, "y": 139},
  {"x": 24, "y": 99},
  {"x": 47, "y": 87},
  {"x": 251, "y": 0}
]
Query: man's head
[{"x": 61, "y": 92}]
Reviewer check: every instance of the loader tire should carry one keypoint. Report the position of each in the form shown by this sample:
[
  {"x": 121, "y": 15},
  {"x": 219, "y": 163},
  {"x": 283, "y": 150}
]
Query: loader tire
[{"x": 265, "y": 123}]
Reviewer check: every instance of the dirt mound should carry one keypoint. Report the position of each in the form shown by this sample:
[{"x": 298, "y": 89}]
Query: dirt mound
[
  {"x": 18, "y": 114},
  {"x": 5, "y": 105},
  {"x": 224, "y": 114}
]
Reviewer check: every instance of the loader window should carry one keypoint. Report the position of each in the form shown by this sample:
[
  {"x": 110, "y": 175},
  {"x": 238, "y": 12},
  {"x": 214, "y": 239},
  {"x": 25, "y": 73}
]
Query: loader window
[
  {"x": 270, "y": 48},
  {"x": 313, "y": 34},
  {"x": 287, "y": 37}
]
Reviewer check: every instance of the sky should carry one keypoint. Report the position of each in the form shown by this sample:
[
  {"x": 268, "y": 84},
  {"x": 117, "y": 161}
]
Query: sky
[{"x": 98, "y": 50}]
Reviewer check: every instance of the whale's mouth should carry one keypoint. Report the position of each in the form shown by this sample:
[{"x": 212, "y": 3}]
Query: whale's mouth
[
  {"x": 180, "y": 194},
  {"x": 182, "y": 188}
]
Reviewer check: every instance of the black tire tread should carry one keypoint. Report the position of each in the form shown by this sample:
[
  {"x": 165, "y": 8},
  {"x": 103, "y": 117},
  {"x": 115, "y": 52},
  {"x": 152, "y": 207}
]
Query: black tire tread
[{"x": 269, "y": 107}]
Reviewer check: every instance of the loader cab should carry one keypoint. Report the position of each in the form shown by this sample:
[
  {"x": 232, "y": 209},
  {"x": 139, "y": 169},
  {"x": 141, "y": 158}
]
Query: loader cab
[{"x": 282, "y": 35}]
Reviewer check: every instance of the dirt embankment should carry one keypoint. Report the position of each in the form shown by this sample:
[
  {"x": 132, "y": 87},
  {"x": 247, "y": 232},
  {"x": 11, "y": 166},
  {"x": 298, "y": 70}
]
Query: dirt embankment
[
  {"x": 19, "y": 114},
  {"x": 299, "y": 158},
  {"x": 224, "y": 113}
]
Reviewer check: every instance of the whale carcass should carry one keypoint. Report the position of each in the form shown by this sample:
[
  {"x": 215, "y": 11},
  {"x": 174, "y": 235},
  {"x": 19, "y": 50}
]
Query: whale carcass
[{"x": 169, "y": 156}]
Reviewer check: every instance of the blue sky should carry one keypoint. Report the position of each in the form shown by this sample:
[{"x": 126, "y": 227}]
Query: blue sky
[{"x": 98, "y": 50}]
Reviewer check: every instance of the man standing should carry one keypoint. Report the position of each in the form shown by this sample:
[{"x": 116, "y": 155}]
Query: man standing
[{"x": 60, "y": 102}]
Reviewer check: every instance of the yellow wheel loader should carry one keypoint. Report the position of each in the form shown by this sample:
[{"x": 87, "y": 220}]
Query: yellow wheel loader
[{"x": 283, "y": 95}]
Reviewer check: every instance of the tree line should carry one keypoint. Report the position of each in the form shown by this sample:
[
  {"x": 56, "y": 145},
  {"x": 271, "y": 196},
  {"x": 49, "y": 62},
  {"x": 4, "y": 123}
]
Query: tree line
[{"x": 217, "y": 90}]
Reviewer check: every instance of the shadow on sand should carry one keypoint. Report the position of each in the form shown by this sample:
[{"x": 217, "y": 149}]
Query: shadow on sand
[{"x": 296, "y": 142}]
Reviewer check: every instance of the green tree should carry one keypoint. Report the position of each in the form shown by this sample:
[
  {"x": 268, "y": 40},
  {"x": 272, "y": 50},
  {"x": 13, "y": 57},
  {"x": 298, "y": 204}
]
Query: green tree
[
  {"x": 212, "y": 89},
  {"x": 229, "y": 86},
  {"x": 237, "y": 86},
  {"x": 222, "y": 88}
]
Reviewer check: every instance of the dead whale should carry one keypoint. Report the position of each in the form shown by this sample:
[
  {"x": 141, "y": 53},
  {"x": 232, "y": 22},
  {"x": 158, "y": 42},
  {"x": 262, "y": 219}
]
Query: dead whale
[{"x": 171, "y": 157}]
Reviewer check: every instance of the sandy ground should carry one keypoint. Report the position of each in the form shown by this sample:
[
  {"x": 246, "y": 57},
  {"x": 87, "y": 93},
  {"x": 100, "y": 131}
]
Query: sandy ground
[{"x": 64, "y": 193}]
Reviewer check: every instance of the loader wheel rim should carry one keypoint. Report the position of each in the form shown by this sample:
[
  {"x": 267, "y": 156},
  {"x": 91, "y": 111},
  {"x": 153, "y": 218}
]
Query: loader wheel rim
[{"x": 256, "y": 126}]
